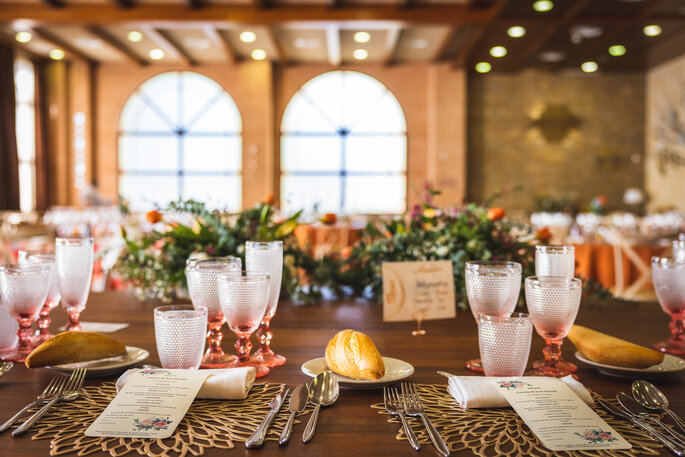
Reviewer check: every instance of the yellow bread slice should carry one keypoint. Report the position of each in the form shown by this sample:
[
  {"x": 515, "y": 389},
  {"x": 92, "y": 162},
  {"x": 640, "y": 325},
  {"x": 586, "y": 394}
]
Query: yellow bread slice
[
  {"x": 73, "y": 347},
  {"x": 353, "y": 354},
  {"x": 602, "y": 348}
]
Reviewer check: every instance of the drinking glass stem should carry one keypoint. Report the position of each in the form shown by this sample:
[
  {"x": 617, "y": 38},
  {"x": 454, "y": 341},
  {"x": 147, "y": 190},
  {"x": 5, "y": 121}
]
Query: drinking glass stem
[
  {"x": 43, "y": 321},
  {"x": 552, "y": 351},
  {"x": 264, "y": 334},
  {"x": 73, "y": 324},
  {"x": 677, "y": 327},
  {"x": 25, "y": 333},
  {"x": 243, "y": 347},
  {"x": 214, "y": 337}
]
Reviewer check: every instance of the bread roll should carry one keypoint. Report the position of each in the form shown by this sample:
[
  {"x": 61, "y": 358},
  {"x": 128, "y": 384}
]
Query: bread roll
[
  {"x": 354, "y": 355},
  {"x": 73, "y": 347},
  {"x": 609, "y": 350}
]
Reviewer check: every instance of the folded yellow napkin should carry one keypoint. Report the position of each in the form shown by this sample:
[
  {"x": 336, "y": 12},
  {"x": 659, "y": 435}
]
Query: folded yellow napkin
[
  {"x": 479, "y": 392},
  {"x": 222, "y": 384}
]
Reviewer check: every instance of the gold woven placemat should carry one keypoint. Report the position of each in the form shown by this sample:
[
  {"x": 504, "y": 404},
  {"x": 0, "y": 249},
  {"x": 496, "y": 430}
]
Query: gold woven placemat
[
  {"x": 500, "y": 431},
  {"x": 207, "y": 424}
]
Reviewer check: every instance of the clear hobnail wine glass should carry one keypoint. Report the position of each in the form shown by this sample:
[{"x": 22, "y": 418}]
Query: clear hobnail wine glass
[
  {"x": 492, "y": 288},
  {"x": 23, "y": 289},
  {"x": 74, "y": 257},
  {"x": 555, "y": 261},
  {"x": 504, "y": 343},
  {"x": 202, "y": 277},
  {"x": 267, "y": 257},
  {"x": 244, "y": 302},
  {"x": 669, "y": 283},
  {"x": 180, "y": 335},
  {"x": 553, "y": 303},
  {"x": 679, "y": 249},
  {"x": 52, "y": 300}
]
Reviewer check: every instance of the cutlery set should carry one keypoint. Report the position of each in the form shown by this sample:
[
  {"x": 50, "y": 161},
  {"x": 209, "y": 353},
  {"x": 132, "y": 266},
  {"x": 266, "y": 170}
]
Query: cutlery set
[
  {"x": 59, "y": 389},
  {"x": 636, "y": 409}
]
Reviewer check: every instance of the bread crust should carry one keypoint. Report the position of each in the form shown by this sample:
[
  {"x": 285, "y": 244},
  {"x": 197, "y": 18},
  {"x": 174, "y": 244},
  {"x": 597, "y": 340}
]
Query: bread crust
[
  {"x": 609, "y": 350},
  {"x": 353, "y": 354},
  {"x": 74, "y": 347}
]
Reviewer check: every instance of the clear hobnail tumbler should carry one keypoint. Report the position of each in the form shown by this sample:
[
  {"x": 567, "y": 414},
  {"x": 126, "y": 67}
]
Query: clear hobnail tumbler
[
  {"x": 267, "y": 257},
  {"x": 23, "y": 290},
  {"x": 555, "y": 261},
  {"x": 243, "y": 300},
  {"x": 52, "y": 300},
  {"x": 180, "y": 335},
  {"x": 679, "y": 249},
  {"x": 553, "y": 303},
  {"x": 492, "y": 288},
  {"x": 202, "y": 277},
  {"x": 668, "y": 276},
  {"x": 504, "y": 343},
  {"x": 74, "y": 257}
]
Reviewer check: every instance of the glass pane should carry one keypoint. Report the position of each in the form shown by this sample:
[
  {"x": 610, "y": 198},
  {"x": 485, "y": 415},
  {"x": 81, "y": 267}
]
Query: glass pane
[
  {"x": 137, "y": 116},
  {"x": 384, "y": 116},
  {"x": 361, "y": 93},
  {"x": 26, "y": 132},
  {"x": 198, "y": 92},
  {"x": 24, "y": 84},
  {"x": 310, "y": 192},
  {"x": 302, "y": 116},
  {"x": 375, "y": 194},
  {"x": 163, "y": 92},
  {"x": 327, "y": 92},
  {"x": 26, "y": 186},
  {"x": 144, "y": 191},
  {"x": 379, "y": 154},
  {"x": 310, "y": 153},
  {"x": 148, "y": 153},
  {"x": 221, "y": 117},
  {"x": 217, "y": 192},
  {"x": 212, "y": 153}
]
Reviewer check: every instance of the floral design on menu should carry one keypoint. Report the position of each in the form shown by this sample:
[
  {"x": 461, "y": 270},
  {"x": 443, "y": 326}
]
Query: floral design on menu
[
  {"x": 512, "y": 384},
  {"x": 597, "y": 436},
  {"x": 152, "y": 424},
  {"x": 149, "y": 371}
]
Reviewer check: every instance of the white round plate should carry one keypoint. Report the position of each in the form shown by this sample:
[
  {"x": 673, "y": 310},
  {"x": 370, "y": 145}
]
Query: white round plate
[
  {"x": 107, "y": 367},
  {"x": 395, "y": 370},
  {"x": 670, "y": 364}
]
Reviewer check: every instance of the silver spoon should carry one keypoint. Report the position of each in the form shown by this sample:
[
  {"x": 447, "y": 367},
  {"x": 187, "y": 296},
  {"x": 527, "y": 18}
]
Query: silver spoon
[
  {"x": 5, "y": 367},
  {"x": 652, "y": 398},
  {"x": 323, "y": 391}
]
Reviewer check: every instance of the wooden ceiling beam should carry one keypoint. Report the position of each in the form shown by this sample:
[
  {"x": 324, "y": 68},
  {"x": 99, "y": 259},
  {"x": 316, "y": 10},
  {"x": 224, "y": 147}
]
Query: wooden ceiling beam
[
  {"x": 54, "y": 3},
  {"x": 333, "y": 48},
  {"x": 194, "y": 4},
  {"x": 124, "y": 3},
  {"x": 392, "y": 39},
  {"x": 21, "y": 48},
  {"x": 57, "y": 42},
  {"x": 279, "y": 52},
  {"x": 220, "y": 40},
  {"x": 472, "y": 39},
  {"x": 443, "y": 44},
  {"x": 165, "y": 41},
  {"x": 115, "y": 43}
]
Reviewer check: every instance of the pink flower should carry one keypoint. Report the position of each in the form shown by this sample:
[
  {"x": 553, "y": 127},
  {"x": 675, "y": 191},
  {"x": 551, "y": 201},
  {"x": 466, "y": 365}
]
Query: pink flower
[
  {"x": 605, "y": 436},
  {"x": 160, "y": 424},
  {"x": 210, "y": 250},
  {"x": 146, "y": 422}
]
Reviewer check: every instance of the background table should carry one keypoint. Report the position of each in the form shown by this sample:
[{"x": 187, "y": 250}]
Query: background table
[{"x": 301, "y": 333}]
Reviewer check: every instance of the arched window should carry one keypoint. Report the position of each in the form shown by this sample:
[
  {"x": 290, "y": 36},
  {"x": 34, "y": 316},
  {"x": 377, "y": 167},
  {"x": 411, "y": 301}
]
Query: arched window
[
  {"x": 344, "y": 147},
  {"x": 180, "y": 137}
]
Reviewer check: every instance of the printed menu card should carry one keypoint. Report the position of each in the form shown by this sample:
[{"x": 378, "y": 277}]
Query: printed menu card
[
  {"x": 151, "y": 404},
  {"x": 557, "y": 416}
]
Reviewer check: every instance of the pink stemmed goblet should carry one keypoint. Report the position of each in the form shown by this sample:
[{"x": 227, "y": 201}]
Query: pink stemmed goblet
[
  {"x": 52, "y": 300},
  {"x": 553, "y": 303},
  {"x": 202, "y": 277},
  {"x": 23, "y": 290},
  {"x": 669, "y": 282},
  {"x": 492, "y": 288},
  {"x": 74, "y": 257},
  {"x": 243, "y": 301},
  {"x": 267, "y": 257}
]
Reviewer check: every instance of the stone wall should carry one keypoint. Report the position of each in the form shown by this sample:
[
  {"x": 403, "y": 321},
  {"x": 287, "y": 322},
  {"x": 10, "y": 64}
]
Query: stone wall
[{"x": 565, "y": 135}]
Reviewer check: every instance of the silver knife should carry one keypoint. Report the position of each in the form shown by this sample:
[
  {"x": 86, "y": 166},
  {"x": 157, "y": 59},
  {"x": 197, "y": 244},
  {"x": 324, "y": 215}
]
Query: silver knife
[
  {"x": 663, "y": 439},
  {"x": 636, "y": 409},
  {"x": 259, "y": 435},
  {"x": 298, "y": 402}
]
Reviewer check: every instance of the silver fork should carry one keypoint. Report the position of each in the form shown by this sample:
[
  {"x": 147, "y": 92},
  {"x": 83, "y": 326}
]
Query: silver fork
[
  {"x": 5, "y": 367},
  {"x": 50, "y": 391},
  {"x": 69, "y": 393},
  {"x": 394, "y": 406},
  {"x": 414, "y": 407}
]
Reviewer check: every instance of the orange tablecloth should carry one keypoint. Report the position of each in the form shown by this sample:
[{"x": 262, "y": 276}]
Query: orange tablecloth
[
  {"x": 319, "y": 239},
  {"x": 596, "y": 261}
]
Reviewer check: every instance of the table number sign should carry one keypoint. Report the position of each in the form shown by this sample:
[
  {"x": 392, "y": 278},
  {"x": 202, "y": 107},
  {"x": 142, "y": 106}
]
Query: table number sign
[
  {"x": 151, "y": 404},
  {"x": 557, "y": 416},
  {"x": 418, "y": 291}
]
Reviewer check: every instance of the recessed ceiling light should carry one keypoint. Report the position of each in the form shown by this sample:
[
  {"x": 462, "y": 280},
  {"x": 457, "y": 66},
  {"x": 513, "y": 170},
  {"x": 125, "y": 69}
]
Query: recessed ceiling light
[
  {"x": 248, "y": 36},
  {"x": 360, "y": 54},
  {"x": 652, "y": 30},
  {"x": 134, "y": 36},
  {"x": 617, "y": 50},
  {"x": 258, "y": 54},
  {"x": 156, "y": 54},
  {"x": 23, "y": 37},
  {"x": 483, "y": 67},
  {"x": 498, "y": 51},
  {"x": 362, "y": 37},
  {"x": 543, "y": 5},
  {"x": 307, "y": 43},
  {"x": 56, "y": 54},
  {"x": 516, "y": 31},
  {"x": 589, "y": 67}
]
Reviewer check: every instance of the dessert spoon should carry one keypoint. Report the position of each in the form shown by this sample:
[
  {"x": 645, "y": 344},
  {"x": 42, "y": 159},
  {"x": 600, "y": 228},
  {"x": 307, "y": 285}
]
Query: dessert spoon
[{"x": 651, "y": 397}]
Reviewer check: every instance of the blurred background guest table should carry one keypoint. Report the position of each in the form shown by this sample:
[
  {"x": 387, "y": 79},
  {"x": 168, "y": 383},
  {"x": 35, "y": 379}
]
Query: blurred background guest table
[{"x": 301, "y": 334}]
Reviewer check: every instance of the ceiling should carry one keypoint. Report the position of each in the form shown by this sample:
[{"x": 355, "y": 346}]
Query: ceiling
[{"x": 195, "y": 32}]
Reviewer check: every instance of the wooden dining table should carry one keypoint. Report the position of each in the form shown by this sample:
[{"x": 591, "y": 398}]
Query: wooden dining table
[{"x": 301, "y": 333}]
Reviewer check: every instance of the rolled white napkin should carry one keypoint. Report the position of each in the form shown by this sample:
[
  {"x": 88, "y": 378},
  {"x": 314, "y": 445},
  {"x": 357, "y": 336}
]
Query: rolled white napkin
[
  {"x": 222, "y": 384},
  {"x": 479, "y": 392}
]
